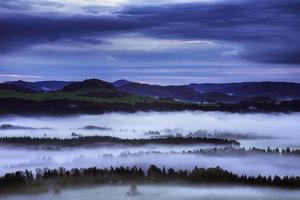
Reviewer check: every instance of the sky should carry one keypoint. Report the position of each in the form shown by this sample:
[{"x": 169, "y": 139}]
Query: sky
[{"x": 168, "y": 42}]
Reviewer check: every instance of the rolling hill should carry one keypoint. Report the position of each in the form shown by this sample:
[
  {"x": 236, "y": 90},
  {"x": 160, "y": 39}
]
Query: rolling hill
[
  {"x": 223, "y": 92},
  {"x": 16, "y": 88},
  {"x": 174, "y": 92},
  {"x": 96, "y": 96},
  {"x": 41, "y": 86},
  {"x": 279, "y": 90},
  {"x": 123, "y": 91}
]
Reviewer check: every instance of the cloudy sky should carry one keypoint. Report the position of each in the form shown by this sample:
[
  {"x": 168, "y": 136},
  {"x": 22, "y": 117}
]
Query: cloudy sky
[{"x": 163, "y": 41}]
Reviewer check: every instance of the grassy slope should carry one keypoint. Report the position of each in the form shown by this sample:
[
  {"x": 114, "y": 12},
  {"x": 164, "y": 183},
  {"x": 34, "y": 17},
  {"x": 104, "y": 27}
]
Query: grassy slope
[{"x": 77, "y": 95}]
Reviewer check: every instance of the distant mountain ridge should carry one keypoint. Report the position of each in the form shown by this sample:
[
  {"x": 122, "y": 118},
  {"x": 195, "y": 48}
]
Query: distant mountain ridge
[
  {"x": 121, "y": 82},
  {"x": 175, "y": 92},
  {"x": 96, "y": 96},
  {"x": 194, "y": 92},
  {"x": 252, "y": 89},
  {"x": 41, "y": 86},
  {"x": 89, "y": 84},
  {"x": 18, "y": 88},
  {"x": 218, "y": 92}
]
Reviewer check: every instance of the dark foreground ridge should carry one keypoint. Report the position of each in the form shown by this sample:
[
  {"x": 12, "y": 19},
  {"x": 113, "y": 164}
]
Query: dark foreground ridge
[
  {"x": 20, "y": 182},
  {"x": 98, "y": 140},
  {"x": 72, "y": 106}
]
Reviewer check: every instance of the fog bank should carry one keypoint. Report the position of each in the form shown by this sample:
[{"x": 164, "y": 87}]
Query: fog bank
[
  {"x": 14, "y": 159},
  {"x": 165, "y": 192},
  {"x": 283, "y": 129}
]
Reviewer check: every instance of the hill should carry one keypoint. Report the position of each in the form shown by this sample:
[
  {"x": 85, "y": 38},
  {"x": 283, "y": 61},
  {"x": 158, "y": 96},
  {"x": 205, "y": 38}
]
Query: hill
[
  {"x": 182, "y": 92},
  {"x": 223, "y": 92},
  {"x": 279, "y": 90},
  {"x": 194, "y": 92},
  {"x": 89, "y": 84},
  {"x": 94, "y": 88},
  {"x": 41, "y": 86},
  {"x": 16, "y": 88},
  {"x": 88, "y": 96},
  {"x": 174, "y": 92},
  {"x": 96, "y": 96},
  {"x": 120, "y": 83}
]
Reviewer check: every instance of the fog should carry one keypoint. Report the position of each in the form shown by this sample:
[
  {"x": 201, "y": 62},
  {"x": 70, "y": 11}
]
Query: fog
[
  {"x": 281, "y": 130},
  {"x": 165, "y": 192},
  {"x": 251, "y": 130},
  {"x": 13, "y": 159}
]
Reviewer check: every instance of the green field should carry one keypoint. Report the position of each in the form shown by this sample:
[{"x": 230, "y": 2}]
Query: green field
[{"x": 80, "y": 95}]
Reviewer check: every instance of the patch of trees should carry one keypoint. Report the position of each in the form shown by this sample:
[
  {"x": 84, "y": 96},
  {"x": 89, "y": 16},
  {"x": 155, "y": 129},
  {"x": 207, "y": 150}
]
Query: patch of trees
[
  {"x": 91, "y": 127},
  {"x": 14, "y": 127},
  {"x": 259, "y": 105},
  {"x": 224, "y": 151},
  {"x": 9, "y": 127},
  {"x": 96, "y": 140},
  {"x": 228, "y": 135},
  {"x": 204, "y": 133},
  {"x": 45, "y": 178},
  {"x": 243, "y": 151}
]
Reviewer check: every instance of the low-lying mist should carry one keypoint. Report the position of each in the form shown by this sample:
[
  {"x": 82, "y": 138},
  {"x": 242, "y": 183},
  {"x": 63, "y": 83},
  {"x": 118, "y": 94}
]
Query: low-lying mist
[
  {"x": 165, "y": 192},
  {"x": 251, "y": 130},
  {"x": 14, "y": 159},
  {"x": 274, "y": 130}
]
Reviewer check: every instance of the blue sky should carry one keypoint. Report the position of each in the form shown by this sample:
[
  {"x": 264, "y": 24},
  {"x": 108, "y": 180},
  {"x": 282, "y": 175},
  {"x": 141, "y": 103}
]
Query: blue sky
[{"x": 164, "y": 42}]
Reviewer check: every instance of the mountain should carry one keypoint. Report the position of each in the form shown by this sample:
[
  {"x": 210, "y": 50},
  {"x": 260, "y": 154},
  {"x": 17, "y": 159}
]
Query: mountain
[
  {"x": 88, "y": 96},
  {"x": 223, "y": 92},
  {"x": 220, "y": 97},
  {"x": 194, "y": 92},
  {"x": 182, "y": 92},
  {"x": 212, "y": 87},
  {"x": 96, "y": 96},
  {"x": 41, "y": 86},
  {"x": 16, "y": 88},
  {"x": 94, "y": 88},
  {"x": 120, "y": 83},
  {"x": 259, "y": 100},
  {"x": 175, "y": 92},
  {"x": 89, "y": 84},
  {"x": 278, "y": 90}
]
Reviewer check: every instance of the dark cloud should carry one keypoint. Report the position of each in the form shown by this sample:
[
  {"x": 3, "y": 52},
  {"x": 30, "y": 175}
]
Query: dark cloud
[
  {"x": 26, "y": 30},
  {"x": 268, "y": 31},
  {"x": 289, "y": 54}
]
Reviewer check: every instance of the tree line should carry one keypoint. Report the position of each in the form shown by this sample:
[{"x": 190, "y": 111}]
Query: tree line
[
  {"x": 243, "y": 151},
  {"x": 94, "y": 140},
  {"x": 19, "y": 105},
  {"x": 45, "y": 178},
  {"x": 222, "y": 151}
]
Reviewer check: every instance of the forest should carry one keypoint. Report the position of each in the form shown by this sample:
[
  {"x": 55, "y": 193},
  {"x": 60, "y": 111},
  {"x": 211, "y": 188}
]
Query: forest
[
  {"x": 94, "y": 140},
  {"x": 225, "y": 151},
  {"x": 25, "y": 181}
]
